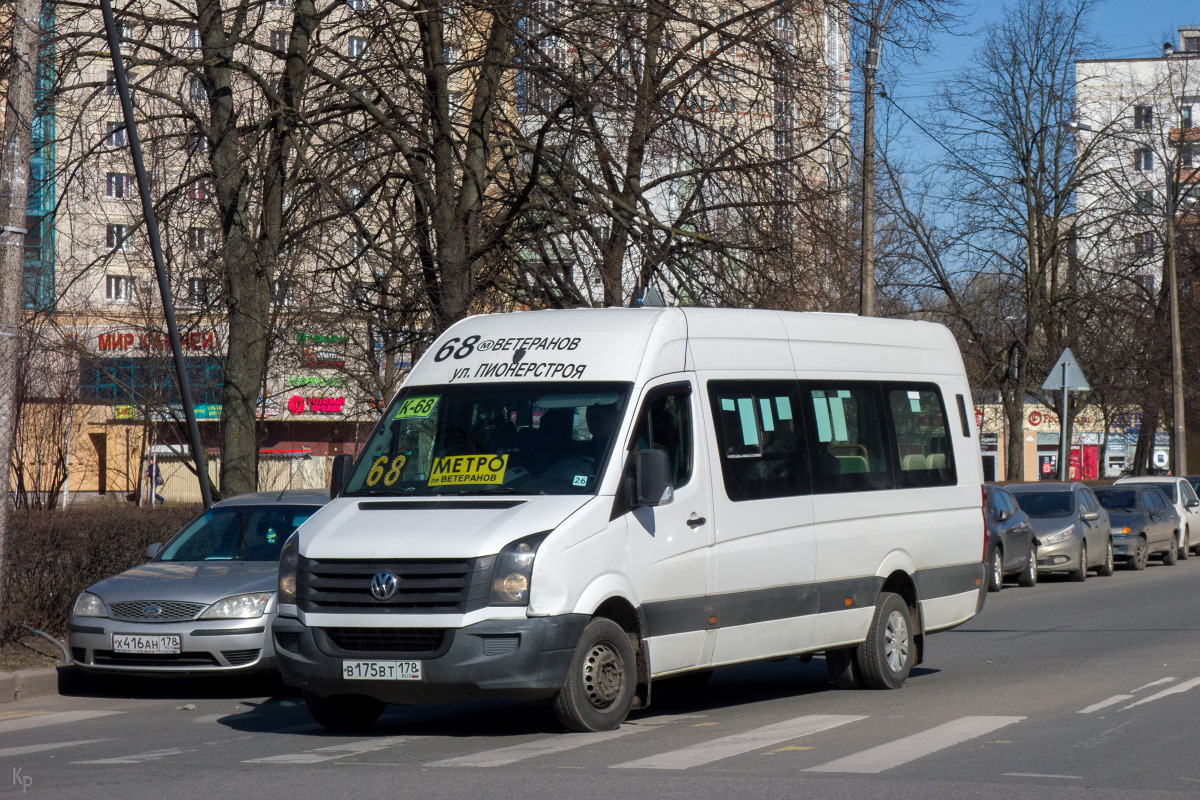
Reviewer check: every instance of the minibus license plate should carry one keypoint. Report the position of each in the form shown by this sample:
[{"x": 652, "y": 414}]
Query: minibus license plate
[
  {"x": 132, "y": 643},
  {"x": 382, "y": 670}
]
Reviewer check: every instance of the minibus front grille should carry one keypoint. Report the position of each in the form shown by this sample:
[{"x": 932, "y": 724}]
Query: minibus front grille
[
  {"x": 408, "y": 641},
  {"x": 423, "y": 585}
]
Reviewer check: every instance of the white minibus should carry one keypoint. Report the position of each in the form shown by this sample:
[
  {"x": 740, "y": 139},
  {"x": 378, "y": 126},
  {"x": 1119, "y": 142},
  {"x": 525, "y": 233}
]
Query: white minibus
[{"x": 572, "y": 504}]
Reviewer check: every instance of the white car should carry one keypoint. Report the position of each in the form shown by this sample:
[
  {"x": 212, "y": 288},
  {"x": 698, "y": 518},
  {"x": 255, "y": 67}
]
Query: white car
[{"x": 1187, "y": 505}]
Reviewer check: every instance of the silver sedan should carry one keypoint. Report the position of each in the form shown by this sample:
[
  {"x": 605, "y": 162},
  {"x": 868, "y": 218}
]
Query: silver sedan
[{"x": 205, "y": 600}]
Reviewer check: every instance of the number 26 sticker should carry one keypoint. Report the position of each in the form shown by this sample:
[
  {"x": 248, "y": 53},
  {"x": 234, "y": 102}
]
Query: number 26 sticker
[{"x": 380, "y": 470}]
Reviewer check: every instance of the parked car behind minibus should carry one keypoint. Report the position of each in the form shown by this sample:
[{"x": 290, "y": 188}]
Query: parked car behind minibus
[
  {"x": 1144, "y": 522},
  {"x": 571, "y": 504},
  {"x": 1072, "y": 527},
  {"x": 1186, "y": 504},
  {"x": 1012, "y": 547}
]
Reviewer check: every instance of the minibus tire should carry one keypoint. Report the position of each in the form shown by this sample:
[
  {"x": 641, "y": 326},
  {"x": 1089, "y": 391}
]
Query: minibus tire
[
  {"x": 343, "y": 712},
  {"x": 601, "y": 680},
  {"x": 842, "y": 663},
  {"x": 891, "y": 634}
]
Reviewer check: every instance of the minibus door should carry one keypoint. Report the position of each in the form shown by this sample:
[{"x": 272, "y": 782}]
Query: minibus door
[{"x": 669, "y": 544}]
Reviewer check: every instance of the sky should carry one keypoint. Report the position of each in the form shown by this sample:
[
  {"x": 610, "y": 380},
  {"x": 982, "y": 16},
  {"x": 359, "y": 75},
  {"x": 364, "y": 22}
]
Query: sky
[{"x": 1127, "y": 28}]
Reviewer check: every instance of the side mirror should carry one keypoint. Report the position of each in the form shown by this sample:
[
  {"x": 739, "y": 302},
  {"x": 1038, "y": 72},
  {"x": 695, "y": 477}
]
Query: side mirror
[
  {"x": 1192, "y": 504},
  {"x": 1090, "y": 516},
  {"x": 153, "y": 549},
  {"x": 652, "y": 471},
  {"x": 1003, "y": 514},
  {"x": 339, "y": 474}
]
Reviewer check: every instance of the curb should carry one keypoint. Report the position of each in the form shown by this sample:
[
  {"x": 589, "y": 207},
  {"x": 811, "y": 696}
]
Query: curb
[{"x": 26, "y": 683}]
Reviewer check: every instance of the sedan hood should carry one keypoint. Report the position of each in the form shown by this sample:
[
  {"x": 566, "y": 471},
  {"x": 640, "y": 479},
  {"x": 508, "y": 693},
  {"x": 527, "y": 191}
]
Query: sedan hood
[
  {"x": 354, "y": 527},
  {"x": 193, "y": 581}
]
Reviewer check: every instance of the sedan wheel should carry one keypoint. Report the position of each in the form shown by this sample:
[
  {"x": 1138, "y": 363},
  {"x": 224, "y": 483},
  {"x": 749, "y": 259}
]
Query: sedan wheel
[
  {"x": 1079, "y": 575},
  {"x": 1141, "y": 554},
  {"x": 1106, "y": 568},
  {"x": 1028, "y": 576},
  {"x": 996, "y": 579},
  {"x": 1186, "y": 545}
]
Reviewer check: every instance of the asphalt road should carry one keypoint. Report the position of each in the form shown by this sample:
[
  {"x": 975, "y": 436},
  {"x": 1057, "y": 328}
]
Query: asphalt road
[{"x": 1086, "y": 690}]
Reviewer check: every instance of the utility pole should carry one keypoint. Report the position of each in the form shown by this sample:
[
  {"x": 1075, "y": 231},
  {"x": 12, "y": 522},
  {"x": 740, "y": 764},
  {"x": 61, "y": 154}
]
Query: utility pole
[
  {"x": 1179, "y": 462},
  {"x": 14, "y": 199},
  {"x": 866, "y": 297}
]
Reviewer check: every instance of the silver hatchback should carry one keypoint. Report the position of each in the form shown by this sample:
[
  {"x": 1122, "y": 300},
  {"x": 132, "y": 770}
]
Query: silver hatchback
[
  {"x": 1071, "y": 526},
  {"x": 205, "y": 600}
]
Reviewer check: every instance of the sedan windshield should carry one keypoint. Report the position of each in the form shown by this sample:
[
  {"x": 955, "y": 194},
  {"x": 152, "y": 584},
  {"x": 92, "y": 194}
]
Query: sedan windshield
[
  {"x": 1117, "y": 499},
  {"x": 497, "y": 438},
  {"x": 237, "y": 533},
  {"x": 1044, "y": 505}
]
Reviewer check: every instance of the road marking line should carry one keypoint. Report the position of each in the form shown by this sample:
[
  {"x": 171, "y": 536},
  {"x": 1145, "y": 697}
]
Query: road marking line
[
  {"x": 138, "y": 758},
  {"x": 19, "y": 714},
  {"x": 717, "y": 749},
  {"x": 56, "y": 718},
  {"x": 7, "y": 752},
  {"x": 910, "y": 748},
  {"x": 331, "y": 752},
  {"x": 1158, "y": 682},
  {"x": 554, "y": 744},
  {"x": 1183, "y": 687},
  {"x": 1038, "y": 775},
  {"x": 1112, "y": 701}
]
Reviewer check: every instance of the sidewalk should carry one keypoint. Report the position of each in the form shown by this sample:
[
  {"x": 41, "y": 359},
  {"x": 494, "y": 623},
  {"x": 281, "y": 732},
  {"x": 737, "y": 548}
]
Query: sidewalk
[{"x": 26, "y": 683}]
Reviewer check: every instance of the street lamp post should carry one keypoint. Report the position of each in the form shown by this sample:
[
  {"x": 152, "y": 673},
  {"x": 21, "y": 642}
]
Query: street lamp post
[{"x": 866, "y": 301}]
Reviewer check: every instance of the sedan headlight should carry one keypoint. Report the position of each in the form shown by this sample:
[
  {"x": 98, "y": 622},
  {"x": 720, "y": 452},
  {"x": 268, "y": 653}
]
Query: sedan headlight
[
  {"x": 1120, "y": 531},
  {"x": 513, "y": 571},
  {"x": 239, "y": 606},
  {"x": 1058, "y": 536},
  {"x": 289, "y": 563},
  {"x": 89, "y": 605}
]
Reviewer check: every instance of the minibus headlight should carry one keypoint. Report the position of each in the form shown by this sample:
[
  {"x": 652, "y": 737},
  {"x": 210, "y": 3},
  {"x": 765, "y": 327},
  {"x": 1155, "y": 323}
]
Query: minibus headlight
[
  {"x": 513, "y": 571},
  {"x": 289, "y": 563}
]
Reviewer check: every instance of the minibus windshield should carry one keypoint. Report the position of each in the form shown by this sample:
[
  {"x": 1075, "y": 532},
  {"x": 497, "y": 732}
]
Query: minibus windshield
[{"x": 535, "y": 437}]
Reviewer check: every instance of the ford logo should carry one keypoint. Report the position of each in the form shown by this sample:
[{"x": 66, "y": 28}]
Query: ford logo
[
  {"x": 152, "y": 611},
  {"x": 383, "y": 585}
]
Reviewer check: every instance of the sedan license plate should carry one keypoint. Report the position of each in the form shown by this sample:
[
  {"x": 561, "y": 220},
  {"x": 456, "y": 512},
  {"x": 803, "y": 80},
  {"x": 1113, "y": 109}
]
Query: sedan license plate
[
  {"x": 381, "y": 670},
  {"x": 133, "y": 643}
]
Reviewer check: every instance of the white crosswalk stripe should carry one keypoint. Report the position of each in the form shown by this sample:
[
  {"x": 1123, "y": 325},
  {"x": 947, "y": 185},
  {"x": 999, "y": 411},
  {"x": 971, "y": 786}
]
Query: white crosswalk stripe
[
  {"x": 333, "y": 751},
  {"x": 919, "y": 745},
  {"x": 138, "y": 758},
  {"x": 56, "y": 718},
  {"x": 717, "y": 749},
  {"x": 29, "y": 749},
  {"x": 554, "y": 744},
  {"x": 1183, "y": 687},
  {"x": 1112, "y": 701}
]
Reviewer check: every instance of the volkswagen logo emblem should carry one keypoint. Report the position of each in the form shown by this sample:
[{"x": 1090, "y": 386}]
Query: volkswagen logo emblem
[
  {"x": 152, "y": 611},
  {"x": 383, "y": 585}
]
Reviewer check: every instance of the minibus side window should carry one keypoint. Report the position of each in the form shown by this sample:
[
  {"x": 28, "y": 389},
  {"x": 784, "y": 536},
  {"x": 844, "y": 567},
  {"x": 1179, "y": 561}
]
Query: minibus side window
[
  {"x": 849, "y": 434},
  {"x": 665, "y": 423},
  {"x": 761, "y": 439},
  {"x": 924, "y": 453}
]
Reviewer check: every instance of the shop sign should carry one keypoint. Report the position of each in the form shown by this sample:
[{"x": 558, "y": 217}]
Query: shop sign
[
  {"x": 321, "y": 359},
  {"x": 315, "y": 405},
  {"x": 991, "y": 440},
  {"x": 201, "y": 411},
  {"x": 319, "y": 381},
  {"x": 978, "y": 417},
  {"x": 152, "y": 340},
  {"x": 320, "y": 338}
]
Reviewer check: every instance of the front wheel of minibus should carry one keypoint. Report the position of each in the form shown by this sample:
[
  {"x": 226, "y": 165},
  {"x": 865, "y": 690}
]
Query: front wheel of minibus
[
  {"x": 887, "y": 655},
  {"x": 601, "y": 680}
]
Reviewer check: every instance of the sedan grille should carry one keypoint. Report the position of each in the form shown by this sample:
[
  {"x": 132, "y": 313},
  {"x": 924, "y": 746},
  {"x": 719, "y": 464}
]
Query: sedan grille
[
  {"x": 144, "y": 610},
  {"x": 237, "y": 658},
  {"x": 180, "y": 660},
  {"x": 423, "y": 586}
]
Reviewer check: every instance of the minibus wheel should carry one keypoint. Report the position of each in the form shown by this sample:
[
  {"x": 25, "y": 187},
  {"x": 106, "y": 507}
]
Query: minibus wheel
[
  {"x": 343, "y": 712},
  {"x": 601, "y": 680},
  {"x": 887, "y": 655}
]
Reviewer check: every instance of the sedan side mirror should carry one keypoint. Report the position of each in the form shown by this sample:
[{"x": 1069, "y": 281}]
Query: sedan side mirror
[
  {"x": 153, "y": 549},
  {"x": 1192, "y": 504},
  {"x": 1003, "y": 514},
  {"x": 652, "y": 471},
  {"x": 1090, "y": 516},
  {"x": 339, "y": 474}
]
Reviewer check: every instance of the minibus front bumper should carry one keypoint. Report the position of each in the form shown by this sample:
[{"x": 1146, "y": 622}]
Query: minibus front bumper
[{"x": 509, "y": 658}]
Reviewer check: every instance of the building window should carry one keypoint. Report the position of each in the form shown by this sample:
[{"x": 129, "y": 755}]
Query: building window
[
  {"x": 1144, "y": 243},
  {"x": 197, "y": 190},
  {"x": 1143, "y": 159},
  {"x": 356, "y": 47},
  {"x": 283, "y": 293},
  {"x": 201, "y": 240},
  {"x": 358, "y": 5},
  {"x": 117, "y": 287},
  {"x": 110, "y": 85},
  {"x": 1144, "y": 201},
  {"x": 196, "y": 89},
  {"x": 194, "y": 40},
  {"x": 1185, "y": 116},
  {"x": 1142, "y": 117},
  {"x": 114, "y": 134},
  {"x": 1191, "y": 44},
  {"x": 197, "y": 143},
  {"x": 114, "y": 185},
  {"x": 1187, "y": 155},
  {"x": 200, "y": 291},
  {"x": 279, "y": 41},
  {"x": 116, "y": 236}
]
